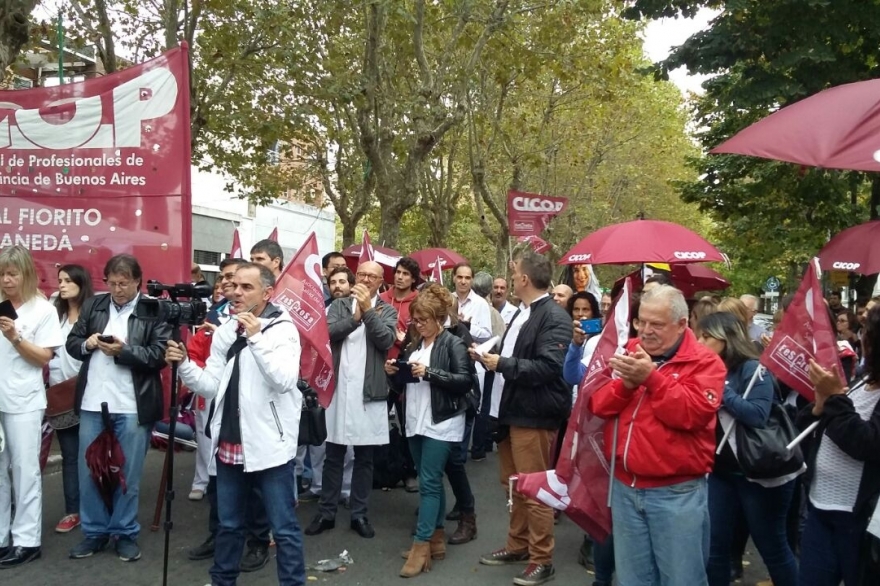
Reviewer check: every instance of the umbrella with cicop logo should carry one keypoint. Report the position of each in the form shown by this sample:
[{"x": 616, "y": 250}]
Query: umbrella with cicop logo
[
  {"x": 853, "y": 250},
  {"x": 642, "y": 241}
]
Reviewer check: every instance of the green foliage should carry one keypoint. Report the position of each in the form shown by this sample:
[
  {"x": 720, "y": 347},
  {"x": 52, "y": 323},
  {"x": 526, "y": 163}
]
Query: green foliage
[{"x": 771, "y": 217}]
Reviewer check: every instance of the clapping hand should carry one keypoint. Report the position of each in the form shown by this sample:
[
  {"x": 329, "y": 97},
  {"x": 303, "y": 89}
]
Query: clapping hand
[{"x": 633, "y": 368}]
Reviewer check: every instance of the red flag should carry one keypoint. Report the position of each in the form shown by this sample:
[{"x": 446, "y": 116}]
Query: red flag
[
  {"x": 274, "y": 235},
  {"x": 367, "y": 252},
  {"x": 529, "y": 213},
  {"x": 806, "y": 332},
  {"x": 537, "y": 243},
  {"x": 299, "y": 290},
  {"x": 579, "y": 485},
  {"x": 437, "y": 271},
  {"x": 236, "y": 246}
]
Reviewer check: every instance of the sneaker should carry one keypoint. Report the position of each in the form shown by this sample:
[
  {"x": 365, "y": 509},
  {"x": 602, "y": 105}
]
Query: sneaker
[
  {"x": 478, "y": 457},
  {"x": 411, "y": 484},
  {"x": 535, "y": 574},
  {"x": 204, "y": 551},
  {"x": 19, "y": 555},
  {"x": 256, "y": 558},
  {"x": 127, "y": 549},
  {"x": 196, "y": 494},
  {"x": 89, "y": 547},
  {"x": 67, "y": 524},
  {"x": 502, "y": 557}
]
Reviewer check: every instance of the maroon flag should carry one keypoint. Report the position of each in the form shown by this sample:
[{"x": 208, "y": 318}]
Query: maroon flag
[
  {"x": 538, "y": 244},
  {"x": 236, "y": 245},
  {"x": 806, "y": 332},
  {"x": 274, "y": 235},
  {"x": 437, "y": 271},
  {"x": 579, "y": 485},
  {"x": 299, "y": 290},
  {"x": 529, "y": 213},
  {"x": 367, "y": 252}
]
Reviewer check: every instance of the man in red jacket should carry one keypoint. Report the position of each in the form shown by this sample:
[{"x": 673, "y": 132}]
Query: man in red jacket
[{"x": 665, "y": 395}]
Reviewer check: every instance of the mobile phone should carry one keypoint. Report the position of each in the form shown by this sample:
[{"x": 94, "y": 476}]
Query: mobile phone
[
  {"x": 106, "y": 339},
  {"x": 7, "y": 310},
  {"x": 591, "y": 326}
]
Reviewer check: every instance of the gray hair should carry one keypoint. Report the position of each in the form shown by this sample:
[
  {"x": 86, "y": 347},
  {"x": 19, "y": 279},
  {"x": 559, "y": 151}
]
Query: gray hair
[
  {"x": 669, "y": 296},
  {"x": 267, "y": 279},
  {"x": 750, "y": 300},
  {"x": 482, "y": 284}
]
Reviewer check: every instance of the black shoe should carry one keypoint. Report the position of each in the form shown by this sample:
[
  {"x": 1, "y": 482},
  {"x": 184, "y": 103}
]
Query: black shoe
[
  {"x": 256, "y": 558},
  {"x": 88, "y": 547},
  {"x": 363, "y": 527},
  {"x": 19, "y": 555},
  {"x": 319, "y": 524},
  {"x": 535, "y": 574},
  {"x": 585, "y": 554},
  {"x": 4, "y": 551},
  {"x": 736, "y": 571},
  {"x": 204, "y": 551},
  {"x": 454, "y": 514},
  {"x": 478, "y": 456}
]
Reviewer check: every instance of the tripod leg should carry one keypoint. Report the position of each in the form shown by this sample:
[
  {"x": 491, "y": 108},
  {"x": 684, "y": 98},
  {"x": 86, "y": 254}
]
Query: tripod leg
[{"x": 160, "y": 498}]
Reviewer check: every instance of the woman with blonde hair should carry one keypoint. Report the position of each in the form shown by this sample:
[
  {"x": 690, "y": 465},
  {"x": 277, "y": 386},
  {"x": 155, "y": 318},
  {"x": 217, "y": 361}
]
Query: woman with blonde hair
[
  {"x": 435, "y": 415},
  {"x": 31, "y": 333},
  {"x": 703, "y": 307}
]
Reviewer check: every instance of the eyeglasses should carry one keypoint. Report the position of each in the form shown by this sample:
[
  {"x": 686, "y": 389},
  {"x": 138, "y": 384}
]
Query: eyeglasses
[
  {"x": 368, "y": 277},
  {"x": 420, "y": 322},
  {"x": 118, "y": 285}
]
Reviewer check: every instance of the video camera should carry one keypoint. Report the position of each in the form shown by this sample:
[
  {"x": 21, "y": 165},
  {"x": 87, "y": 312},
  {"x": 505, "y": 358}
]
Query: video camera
[{"x": 169, "y": 309}]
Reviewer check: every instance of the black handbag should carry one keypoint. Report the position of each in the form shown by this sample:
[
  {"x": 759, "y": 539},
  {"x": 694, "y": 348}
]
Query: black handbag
[
  {"x": 312, "y": 420},
  {"x": 762, "y": 452}
]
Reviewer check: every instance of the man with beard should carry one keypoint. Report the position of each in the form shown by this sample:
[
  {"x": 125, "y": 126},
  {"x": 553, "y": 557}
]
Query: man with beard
[{"x": 339, "y": 283}]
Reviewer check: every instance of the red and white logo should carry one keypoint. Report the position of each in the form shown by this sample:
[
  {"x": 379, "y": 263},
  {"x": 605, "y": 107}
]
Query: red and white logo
[
  {"x": 573, "y": 258},
  {"x": 846, "y": 266},
  {"x": 794, "y": 358},
  {"x": 536, "y": 204},
  {"x": 689, "y": 255}
]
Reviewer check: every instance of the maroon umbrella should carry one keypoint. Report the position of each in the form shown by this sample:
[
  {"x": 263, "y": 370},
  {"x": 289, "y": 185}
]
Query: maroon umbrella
[
  {"x": 428, "y": 257},
  {"x": 387, "y": 257},
  {"x": 838, "y": 128},
  {"x": 105, "y": 460},
  {"x": 854, "y": 250},
  {"x": 689, "y": 278},
  {"x": 642, "y": 241}
]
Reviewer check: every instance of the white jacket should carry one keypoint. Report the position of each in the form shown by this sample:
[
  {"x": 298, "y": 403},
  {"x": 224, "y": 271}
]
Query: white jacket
[{"x": 269, "y": 401}]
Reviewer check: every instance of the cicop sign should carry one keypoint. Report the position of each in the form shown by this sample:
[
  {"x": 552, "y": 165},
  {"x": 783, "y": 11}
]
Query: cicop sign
[
  {"x": 846, "y": 266},
  {"x": 93, "y": 169},
  {"x": 529, "y": 213}
]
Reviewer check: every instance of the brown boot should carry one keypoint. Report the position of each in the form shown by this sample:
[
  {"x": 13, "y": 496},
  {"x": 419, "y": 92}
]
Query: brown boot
[
  {"x": 466, "y": 530},
  {"x": 419, "y": 560},
  {"x": 438, "y": 546}
]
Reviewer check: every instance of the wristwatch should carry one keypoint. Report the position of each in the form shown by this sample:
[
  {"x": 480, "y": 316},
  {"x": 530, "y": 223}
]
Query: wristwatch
[{"x": 17, "y": 340}]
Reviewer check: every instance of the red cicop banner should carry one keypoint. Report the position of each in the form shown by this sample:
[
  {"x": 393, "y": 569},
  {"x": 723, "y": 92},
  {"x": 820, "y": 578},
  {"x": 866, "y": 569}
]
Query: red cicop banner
[
  {"x": 529, "y": 213},
  {"x": 101, "y": 167}
]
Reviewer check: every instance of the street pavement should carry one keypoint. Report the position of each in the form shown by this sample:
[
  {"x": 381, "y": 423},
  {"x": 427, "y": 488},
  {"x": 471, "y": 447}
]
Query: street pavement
[{"x": 376, "y": 561}]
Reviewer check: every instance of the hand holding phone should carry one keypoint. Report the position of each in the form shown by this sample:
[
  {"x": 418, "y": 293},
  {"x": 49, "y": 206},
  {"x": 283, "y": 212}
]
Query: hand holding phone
[
  {"x": 591, "y": 326},
  {"x": 106, "y": 339}
]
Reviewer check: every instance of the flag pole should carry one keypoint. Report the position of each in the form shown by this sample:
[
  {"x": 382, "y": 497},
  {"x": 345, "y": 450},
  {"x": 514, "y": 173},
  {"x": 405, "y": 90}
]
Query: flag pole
[
  {"x": 613, "y": 461},
  {"x": 758, "y": 372},
  {"x": 812, "y": 427}
]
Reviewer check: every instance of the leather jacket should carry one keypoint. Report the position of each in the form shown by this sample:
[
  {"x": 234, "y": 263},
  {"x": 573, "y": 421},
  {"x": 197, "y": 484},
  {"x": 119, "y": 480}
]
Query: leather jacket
[
  {"x": 450, "y": 375},
  {"x": 144, "y": 354}
]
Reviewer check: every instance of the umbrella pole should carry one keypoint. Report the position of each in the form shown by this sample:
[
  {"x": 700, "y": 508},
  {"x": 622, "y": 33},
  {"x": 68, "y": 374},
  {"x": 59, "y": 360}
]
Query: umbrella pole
[
  {"x": 173, "y": 410},
  {"x": 160, "y": 497}
]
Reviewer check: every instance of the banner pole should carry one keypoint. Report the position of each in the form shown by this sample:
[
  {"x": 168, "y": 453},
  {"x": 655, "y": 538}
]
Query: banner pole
[{"x": 613, "y": 461}]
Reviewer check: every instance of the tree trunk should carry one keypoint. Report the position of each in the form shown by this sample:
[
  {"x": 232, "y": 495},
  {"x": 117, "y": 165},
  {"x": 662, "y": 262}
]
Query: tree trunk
[
  {"x": 875, "y": 196},
  {"x": 14, "y": 29},
  {"x": 389, "y": 225},
  {"x": 348, "y": 233}
]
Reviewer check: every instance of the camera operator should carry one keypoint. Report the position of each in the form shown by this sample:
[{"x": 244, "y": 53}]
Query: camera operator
[
  {"x": 122, "y": 356},
  {"x": 252, "y": 372}
]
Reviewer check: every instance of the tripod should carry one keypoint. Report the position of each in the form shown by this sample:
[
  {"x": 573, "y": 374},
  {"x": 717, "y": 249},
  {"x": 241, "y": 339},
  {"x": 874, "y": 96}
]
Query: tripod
[{"x": 168, "y": 471}]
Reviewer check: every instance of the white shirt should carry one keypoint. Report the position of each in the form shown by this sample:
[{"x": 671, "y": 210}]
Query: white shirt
[
  {"x": 507, "y": 311},
  {"x": 109, "y": 382},
  {"x": 589, "y": 348},
  {"x": 21, "y": 386},
  {"x": 475, "y": 310},
  {"x": 510, "y": 338},
  {"x": 350, "y": 420},
  {"x": 63, "y": 366},
  {"x": 419, "y": 417},
  {"x": 837, "y": 475}
]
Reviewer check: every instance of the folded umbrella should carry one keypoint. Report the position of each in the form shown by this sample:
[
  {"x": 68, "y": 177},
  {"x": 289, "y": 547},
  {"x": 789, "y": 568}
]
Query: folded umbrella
[
  {"x": 105, "y": 460},
  {"x": 428, "y": 256}
]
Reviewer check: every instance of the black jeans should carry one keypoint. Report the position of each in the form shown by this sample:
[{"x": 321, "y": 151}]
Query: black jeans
[
  {"x": 482, "y": 442},
  {"x": 455, "y": 471},
  {"x": 68, "y": 440}
]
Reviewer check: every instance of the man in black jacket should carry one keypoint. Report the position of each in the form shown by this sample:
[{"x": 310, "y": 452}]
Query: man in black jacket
[
  {"x": 534, "y": 401},
  {"x": 122, "y": 357}
]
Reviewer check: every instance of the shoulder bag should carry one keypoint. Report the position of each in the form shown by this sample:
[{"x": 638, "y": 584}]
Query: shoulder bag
[{"x": 762, "y": 452}]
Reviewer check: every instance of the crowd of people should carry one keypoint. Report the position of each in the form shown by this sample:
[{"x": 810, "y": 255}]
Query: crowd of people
[{"x": 491, "y": 365}]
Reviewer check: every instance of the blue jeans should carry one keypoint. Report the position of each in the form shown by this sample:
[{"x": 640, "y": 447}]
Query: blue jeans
[
  {"x": 68, "y": 440},
  {"x": 234, "y": 489},
  {"x": 661, "y": 535},
  {"x": 134, "y": 440},
  {"x": 830, "y": 548},
  {"x": 765, "y": 511},
  {"x": 603, "y": 560},
  {"x": 430, "y": 456},
  {"x": 457, "y": 475}
]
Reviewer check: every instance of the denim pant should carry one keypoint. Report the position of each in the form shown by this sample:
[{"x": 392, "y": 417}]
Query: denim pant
[
  {"x": 68, "y": 440},
  {"x": 278, "y": 487},
  {"x": 134, "y": 440},
  {"x": 456, "y": 473},
  {"x": 765, "y": 511},
  {"x": 661, "y": 535},
  {"x": 430, "y": 456},
  {"x": 830, "y": 548},
  {"x": 603, "y": 560}
]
